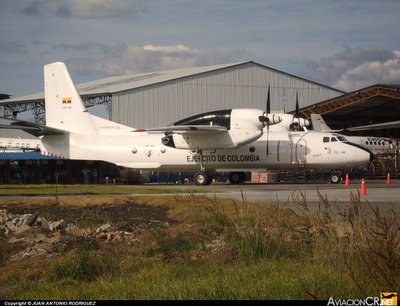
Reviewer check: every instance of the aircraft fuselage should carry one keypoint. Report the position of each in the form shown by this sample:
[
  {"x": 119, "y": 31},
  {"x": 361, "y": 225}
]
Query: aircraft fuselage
[{"x": 141, "y": 150}]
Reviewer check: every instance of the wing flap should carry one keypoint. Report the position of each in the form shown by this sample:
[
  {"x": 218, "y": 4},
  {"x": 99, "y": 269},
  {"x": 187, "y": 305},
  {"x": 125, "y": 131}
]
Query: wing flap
[
  {"x": 377, "y": 126},
  {"x": 190, "y": 129}
]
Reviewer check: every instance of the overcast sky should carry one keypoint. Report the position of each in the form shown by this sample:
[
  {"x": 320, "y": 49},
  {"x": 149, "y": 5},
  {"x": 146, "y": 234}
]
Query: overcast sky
[{"x": 346, "y": 44}]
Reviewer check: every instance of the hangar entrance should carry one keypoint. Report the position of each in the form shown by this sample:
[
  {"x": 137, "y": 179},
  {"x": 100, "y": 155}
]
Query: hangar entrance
[{"x": 376, "y": 104}]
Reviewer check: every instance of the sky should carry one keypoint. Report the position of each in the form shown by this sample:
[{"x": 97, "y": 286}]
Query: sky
[{"x": 345, "y": 44}]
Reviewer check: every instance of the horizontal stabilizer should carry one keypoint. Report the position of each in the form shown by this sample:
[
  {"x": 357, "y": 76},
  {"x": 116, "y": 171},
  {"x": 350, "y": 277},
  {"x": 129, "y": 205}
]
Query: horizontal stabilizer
[{"x": 31, "y": 128}]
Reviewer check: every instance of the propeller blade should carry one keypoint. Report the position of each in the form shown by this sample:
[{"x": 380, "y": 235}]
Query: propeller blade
[
  {"x": 268, "y": 106},
  {"x": 267, "y": 111},
  {"x": 295, "y": 126}
]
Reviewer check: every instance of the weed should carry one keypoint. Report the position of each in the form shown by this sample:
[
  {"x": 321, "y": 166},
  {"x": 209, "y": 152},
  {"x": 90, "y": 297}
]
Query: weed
[
  {"x": 86, "y": 244},
  {"x": 81, "y": 267},
  {"x": 337, "y": 250},
  {"x": 3, "y": 254},
  {"x": 176, "y": 248}
]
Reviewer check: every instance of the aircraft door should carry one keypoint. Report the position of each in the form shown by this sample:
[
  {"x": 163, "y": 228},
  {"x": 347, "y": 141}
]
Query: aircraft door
[
  {"x": 298, "y": 150},
  {"x": 301, "y": 151}
]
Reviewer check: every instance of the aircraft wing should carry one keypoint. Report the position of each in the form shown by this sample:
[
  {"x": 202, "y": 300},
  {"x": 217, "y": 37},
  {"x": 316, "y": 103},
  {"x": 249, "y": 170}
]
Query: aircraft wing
[
  {"x": 190, "y": 129},
  {"x": 377, "y": 126},
  {"x": 31, "y": 128}
]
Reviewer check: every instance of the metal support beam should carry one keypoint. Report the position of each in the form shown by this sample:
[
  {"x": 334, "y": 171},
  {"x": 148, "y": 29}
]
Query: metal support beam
[
  {"x": 38, "y": 107},
  {"x": 350, "y": 99},
  {"x": 96, "y": 100}
]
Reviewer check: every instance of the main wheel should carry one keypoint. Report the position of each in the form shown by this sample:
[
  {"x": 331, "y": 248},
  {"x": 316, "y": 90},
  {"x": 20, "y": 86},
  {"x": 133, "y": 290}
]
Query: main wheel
[
  {"x": 335, "y": 179},
  {"x": 237, "y": 177},
  {"x": 202, "y": 178}
]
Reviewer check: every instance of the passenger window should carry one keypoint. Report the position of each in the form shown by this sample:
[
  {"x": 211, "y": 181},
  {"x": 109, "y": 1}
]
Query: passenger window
[{"x": 326, "y": 139}]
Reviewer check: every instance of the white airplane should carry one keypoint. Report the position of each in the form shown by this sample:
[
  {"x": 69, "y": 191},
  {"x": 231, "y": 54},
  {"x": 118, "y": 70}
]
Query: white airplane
[
  {"x": 373, "y": 144},
  {"x": 232, "y": 140},
  {"x": 19, "y": 144}
]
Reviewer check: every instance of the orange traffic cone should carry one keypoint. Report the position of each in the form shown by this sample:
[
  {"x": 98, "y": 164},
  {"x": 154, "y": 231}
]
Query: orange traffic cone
[
  {"x": 363, "y": 188},
  {"x": 388, "y": 179},
  {"x": 347, "y": 180}
]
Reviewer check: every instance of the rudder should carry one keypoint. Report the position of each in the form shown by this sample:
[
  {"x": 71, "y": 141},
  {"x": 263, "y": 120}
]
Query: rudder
[{"x": 64, "y": 107}]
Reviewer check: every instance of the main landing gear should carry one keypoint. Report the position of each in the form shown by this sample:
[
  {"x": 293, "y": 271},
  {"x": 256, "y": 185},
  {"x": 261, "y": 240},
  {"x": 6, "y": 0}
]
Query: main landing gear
[
  {"x": 203, "y": 178},
  {"x": 237, "y": 177}
]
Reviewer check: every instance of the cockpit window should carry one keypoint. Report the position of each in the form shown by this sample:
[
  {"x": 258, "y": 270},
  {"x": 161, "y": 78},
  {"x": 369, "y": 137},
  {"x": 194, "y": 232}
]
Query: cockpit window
[
  {"x": 333, "y": 139},
  {"x": 222, "y": 118},
  {"x": 342, "y": 139},
  {"x": 326, "y": 139}
]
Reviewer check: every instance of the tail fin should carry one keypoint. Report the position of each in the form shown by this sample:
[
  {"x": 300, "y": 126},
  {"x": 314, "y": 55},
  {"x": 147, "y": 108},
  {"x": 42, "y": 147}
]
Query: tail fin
[
  {"x": 64, "y": 107},
  {"x": 320, "y": 125}
]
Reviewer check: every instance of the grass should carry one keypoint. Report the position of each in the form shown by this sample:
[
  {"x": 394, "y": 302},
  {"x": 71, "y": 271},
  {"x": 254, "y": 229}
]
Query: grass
[
  {"x": 54, "y": 189},
  {"x": 156, "y": 280},
  {"x": 225, "y": 249}
]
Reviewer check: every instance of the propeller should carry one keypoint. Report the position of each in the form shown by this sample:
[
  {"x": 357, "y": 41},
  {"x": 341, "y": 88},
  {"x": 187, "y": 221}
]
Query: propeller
[
  {"x": 267, "y": 119},
  {"x": 264, "y": 118},
  {"x": 267, "y": 111},
  {"x": 296, "y": 125}
]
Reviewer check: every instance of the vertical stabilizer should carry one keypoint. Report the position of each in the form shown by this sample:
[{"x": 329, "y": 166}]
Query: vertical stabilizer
[
  {"x": 319, "y": 124},
  {"x": 64, "y": 107}
]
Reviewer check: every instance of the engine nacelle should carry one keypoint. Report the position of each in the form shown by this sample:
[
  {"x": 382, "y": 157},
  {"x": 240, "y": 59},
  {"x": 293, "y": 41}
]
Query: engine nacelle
[
  {"x": 289, "y": 123},
  {"x": 243, "y": 126}
]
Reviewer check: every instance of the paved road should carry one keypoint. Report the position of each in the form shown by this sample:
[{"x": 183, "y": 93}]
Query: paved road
[{"x": 379, "y": 194}]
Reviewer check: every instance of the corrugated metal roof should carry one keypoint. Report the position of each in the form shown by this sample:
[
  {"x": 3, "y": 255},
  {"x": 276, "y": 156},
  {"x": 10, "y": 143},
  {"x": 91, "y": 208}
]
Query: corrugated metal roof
[
  {"x": 127, "y": 82},
  {"x": 26, "y": 156}
]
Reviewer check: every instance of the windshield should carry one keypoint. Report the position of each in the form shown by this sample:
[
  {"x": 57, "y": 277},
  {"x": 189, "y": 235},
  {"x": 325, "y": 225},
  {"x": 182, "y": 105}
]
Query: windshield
[{"x": 341, "y": 138}]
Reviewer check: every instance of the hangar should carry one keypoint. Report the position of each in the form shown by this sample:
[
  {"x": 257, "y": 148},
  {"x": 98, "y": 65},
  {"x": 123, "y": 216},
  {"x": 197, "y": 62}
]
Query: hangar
[
  {"x": 160, "y": 98},
  {"x": 374, "y": 104}
]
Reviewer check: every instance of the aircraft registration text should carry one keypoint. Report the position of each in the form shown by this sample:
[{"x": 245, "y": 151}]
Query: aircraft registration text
[{"x": 222, "y": 158}]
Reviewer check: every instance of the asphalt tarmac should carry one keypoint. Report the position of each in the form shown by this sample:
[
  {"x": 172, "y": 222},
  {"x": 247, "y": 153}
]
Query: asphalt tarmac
[{"x": 378, "y": 193}]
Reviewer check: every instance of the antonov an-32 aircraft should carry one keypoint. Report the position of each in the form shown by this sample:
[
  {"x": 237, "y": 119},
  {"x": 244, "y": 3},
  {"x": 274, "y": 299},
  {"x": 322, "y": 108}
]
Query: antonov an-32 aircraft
[{"x": 231, "y": 140}]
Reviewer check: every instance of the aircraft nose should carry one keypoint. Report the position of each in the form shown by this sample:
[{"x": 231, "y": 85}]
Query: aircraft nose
[{"x": 361, "y": 153}]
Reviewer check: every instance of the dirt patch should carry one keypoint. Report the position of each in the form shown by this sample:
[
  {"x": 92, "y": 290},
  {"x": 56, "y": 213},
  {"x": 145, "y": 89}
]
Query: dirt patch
[
  {"x": 41, "y": 234},
  {"x": 122, "y": 216}
]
